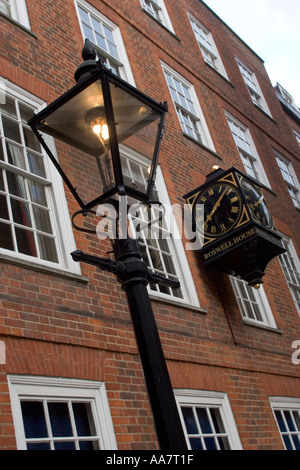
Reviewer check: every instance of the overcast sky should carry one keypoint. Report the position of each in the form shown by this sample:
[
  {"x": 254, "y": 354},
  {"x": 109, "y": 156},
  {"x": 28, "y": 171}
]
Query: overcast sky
[{"x": 272, "y": 29}]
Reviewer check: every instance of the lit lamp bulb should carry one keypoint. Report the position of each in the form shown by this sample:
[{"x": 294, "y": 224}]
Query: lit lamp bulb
[
  {"x": 96, "y": 119},
  {"x": 101, "y": 130}
]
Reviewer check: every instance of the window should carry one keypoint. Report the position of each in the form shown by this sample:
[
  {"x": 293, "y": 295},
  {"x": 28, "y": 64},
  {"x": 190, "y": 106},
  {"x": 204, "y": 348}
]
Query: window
[
  {"x": 253, "y": 87},
  {"x": 247, "y": 150},
  {"x": 253, "y": 304},
  {"x": 297, "y": 135},
  {"x": 16, "y": 10},
  {"x": 188, "y": 109},
  {"x": 29, "y": 215},
  {"x": 207, "y": 46},
  {"x": 290, "y": 178},
  {"x": 160, "y": 243},
  {"x": 157, "y": 9},
  {"x": 207, "y": 420},
  {"x": 290, "y": 264},
  {"x": 286, "y": 96},
  {"x": 287, "y": 415},
  {"x": 60, "y": 414},
  {"x": 107, "y": 39}
]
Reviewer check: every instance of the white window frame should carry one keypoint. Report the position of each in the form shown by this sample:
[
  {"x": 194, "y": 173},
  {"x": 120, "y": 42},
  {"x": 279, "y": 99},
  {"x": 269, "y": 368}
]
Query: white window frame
[
  {"x": 253, "y": 304},
  {"x": 18, "y": 12},
  {"x": 288, "y": 405},
  {"x": 291, "y": 181},
  {"x": 297, "y": 135},
  {"x": 207, "y": 46},
  {"x": 253, "y": 87},
  {"x": 122, "y": 62},
  {"x": 192, "y": 111},
  {"x": 286, "y": 96},
  {"x": 34, "y": 387},
  {"x": 157, "y": 9},
  {"x": 62, "y": 228},
  {"x": 247, "y": 150},
  {"x": 290, "y": 264},
  {"x": 174, "y": 240},
  {"x": 210, "y": 399}
]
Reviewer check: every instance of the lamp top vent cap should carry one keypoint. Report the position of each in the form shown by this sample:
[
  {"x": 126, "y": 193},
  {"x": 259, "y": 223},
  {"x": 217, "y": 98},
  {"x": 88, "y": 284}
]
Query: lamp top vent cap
[{"x": 89, "y": 61}]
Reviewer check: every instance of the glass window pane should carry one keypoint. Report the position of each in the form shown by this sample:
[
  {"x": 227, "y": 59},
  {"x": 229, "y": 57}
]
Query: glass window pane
[
  {"x": 26, "y": 112},
  {"x": 60, "y": 419},
  {"x": 204, "y": 421},
  {"x": 42, "y": 219},
  {"x": 25, "y": 242},
  {"x": 16, "y": 185},
  {"x": 47, "y": 248},
  {"x": 189, "y": 420},
  {"x": 64, "y": 446},
  {"x": 34, "y": 419},
  {"x": 1, "y": 182},
  {"x": 3, "y": 208},
  {"x": 11, "y": 129},
  {"x": 31, "y": 140},
  {"x": 9, "y": 107},
  {"x": 36, "y": 164},
  {"x": 196, "y": 443},
  {"x": 210, "y": 443},
  {"x": 6, "y": 240},
  {"x": 20, "y": 211},
  {"x": 15, "y": 155},
  {"x": 82, "y": 412},
  {"x": 38, "y": 446},
  {"x": 37, "y": 193}
]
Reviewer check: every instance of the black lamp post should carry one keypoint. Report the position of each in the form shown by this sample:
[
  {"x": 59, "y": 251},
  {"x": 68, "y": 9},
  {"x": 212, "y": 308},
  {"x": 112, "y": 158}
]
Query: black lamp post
[{"x": 95, "y": 118}]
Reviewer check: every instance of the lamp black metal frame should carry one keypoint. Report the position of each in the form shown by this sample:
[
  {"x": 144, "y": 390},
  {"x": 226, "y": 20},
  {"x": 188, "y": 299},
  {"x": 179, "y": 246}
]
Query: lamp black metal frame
[{"x": 131, "y": 271}]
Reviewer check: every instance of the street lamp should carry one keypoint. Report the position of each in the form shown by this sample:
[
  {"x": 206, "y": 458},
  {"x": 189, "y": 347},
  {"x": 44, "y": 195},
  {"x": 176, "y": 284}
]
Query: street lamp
[{"x": 98, "y": 117}]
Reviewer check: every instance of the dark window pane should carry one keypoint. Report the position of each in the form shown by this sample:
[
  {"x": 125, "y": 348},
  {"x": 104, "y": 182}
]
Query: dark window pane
[
  {"x": 88, "y": 445},
  {"x": 1, "y": 182},
  {"x": 6, "y": 240},
  {"x": 11, "y": 129},
  {"x": 196, "y": 444},
  {"x": 20, "y": 212},
  {"x": 16, "y": 185},
  {"x": 217, "y": 420},
  {"x": 25, "y": 242},
  {"x": 60, "y": 419},
  {"x": 210, "y": 443},
  {"x": 189, "y": 420},
  {"x": 280, "y": 421},
  {"x": 82, "y": 411},
  {"x": 3, "y": 208},
  {"x": 204, "y": 421},
  {"x": 34, "y": 419},
  {"x": 31, "y": 140},
  {"x": 38, "y": 446},
  {"x": 64, "y": 446}
]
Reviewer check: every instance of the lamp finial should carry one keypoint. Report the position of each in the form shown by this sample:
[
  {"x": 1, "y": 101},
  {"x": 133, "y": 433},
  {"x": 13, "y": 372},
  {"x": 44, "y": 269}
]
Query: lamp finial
[{"x": 89, "y": 61}]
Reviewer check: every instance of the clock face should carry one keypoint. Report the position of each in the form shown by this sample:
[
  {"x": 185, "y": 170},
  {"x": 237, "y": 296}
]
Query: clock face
[
  {"x": 222, "y": 209},
  {"x": 256, "y": 204}
]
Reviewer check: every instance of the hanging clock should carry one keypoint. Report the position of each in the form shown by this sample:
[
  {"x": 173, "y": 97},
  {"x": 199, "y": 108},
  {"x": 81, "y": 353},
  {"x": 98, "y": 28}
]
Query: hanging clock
[{"x": 234, "y": 225}]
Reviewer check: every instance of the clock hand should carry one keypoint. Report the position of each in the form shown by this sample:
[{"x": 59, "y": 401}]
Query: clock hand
[
  {"x": 258, "y": 202},
  {"x": 217, "y": 204}
]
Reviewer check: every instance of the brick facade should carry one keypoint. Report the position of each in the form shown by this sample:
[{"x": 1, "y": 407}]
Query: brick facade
[{"x": 60, "y": 324}]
